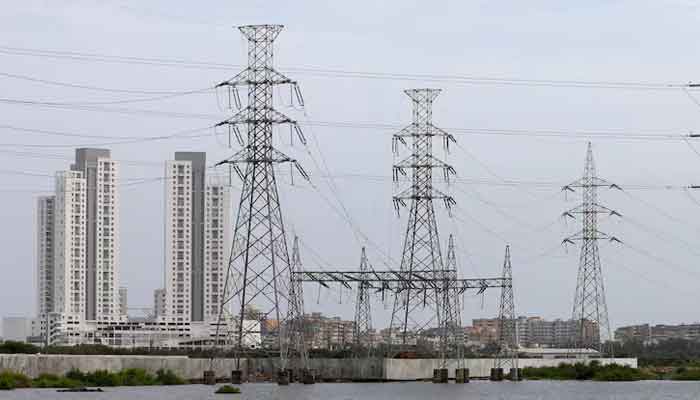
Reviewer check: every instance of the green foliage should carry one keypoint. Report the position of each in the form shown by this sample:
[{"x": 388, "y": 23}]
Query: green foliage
[
  {"x": 168, "y": 377},
  {"x": 686, "y": 374},
  {"x": 228, "y": 389},
  {"x": 671, "y": 352},
  {"x": 55, "y": 381},
  {"x": 590, "y": 371},
  {"x": 11, "y": 347},
  {"x": 11, "y": 380},
  {"x": 76, "y": 378}
]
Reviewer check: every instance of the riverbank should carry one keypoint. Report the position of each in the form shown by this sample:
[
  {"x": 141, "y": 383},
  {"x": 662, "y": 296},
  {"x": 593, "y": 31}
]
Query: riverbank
[
  {"x": 101, "y": 378},
  {"x": 594, "y": 371}
]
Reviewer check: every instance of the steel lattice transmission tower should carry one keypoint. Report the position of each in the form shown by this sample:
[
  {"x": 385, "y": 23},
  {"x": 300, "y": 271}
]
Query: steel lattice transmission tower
[
  {"x": 363, "y": 313},
  {"x": 507, "y": 355},
  {"x": 590, "y": 309},
  {"x": 258, "y": 275},
  {"x": 421, "y": 249},
  {"x": 295, "y": 315},
  {"x": 452, "y": 337}
]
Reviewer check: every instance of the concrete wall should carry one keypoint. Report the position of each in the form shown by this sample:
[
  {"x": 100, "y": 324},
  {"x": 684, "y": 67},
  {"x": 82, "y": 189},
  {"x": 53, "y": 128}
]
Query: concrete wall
[
  {"x": 264, "y": 368},
  {"x": 402, "y": 370},
  {"x": 189, "y": 368}
]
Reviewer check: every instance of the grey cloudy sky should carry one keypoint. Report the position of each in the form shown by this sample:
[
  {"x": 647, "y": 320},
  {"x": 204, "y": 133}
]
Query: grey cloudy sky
[{"x": 652, "y": 278}]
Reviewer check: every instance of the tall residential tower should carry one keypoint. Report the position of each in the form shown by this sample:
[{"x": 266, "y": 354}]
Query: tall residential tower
[{"x": 197, "y": 226}]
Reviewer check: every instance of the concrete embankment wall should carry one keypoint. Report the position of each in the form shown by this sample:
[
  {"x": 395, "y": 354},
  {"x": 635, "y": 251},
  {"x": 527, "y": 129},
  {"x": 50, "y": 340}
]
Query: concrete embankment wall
[
  {"x": 403, "y": 370},
  {"x": 264, "y": 368},
  {"x": 189, "y": 368}
]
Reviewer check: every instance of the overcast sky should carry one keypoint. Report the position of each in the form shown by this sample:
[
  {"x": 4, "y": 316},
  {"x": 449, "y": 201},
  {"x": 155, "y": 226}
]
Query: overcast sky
[{"x": 653, "y": 277}]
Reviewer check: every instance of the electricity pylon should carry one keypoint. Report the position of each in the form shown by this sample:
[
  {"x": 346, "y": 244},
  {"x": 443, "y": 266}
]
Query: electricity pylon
[
  {"x": 452, "y": 339},
  {"x": 256, "y": 289},
  {"x": 507, "y": 355},
  {"x": 363, "y": 314},
  {"x": 295, "y": 315},
  {"x": 590, "y": 310},
  {"x": 421, "y": 249}
]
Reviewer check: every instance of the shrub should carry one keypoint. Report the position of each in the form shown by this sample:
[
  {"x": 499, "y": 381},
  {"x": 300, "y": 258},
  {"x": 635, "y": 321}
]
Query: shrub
[
  {"x": 102, "y": 377},
  {"x": 168, "y": 377},
  {"x": 136, "y": 377},
  {"x": 591, "y": 371},
  {"x": 686, "y": 374},
  {"x": 12, "y": 347},
  {"x": 10, "y": 380},
  {"x": 228, "y": 389},
  {"x": 54, "y": 381}
]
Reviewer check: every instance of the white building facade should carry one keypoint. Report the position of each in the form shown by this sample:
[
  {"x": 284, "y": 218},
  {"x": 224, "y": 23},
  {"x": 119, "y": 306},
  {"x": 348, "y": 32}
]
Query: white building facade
[
  {"x": 197, "y": 236},
  {"x": 70, "y": 294},
  {"x": 45, "y": 232}
]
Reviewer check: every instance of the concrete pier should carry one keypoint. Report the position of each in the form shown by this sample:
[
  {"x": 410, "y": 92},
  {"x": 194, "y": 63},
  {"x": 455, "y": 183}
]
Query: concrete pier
[
  {"x": 209, "y": 377},
  {"x": 462, "y": 375},
  {"x": 515, "y": 374},
  {"x": 496, "y": 374},
  {"x": 440, "y": 375},
  {"x": 307, "y": 377},
  {"x": 283, "y": 377}
]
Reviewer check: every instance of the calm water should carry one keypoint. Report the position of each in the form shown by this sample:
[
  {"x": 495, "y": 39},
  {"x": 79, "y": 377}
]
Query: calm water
[{"x": 405, "y": 391}]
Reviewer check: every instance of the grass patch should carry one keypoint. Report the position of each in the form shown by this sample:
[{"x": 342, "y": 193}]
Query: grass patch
[
  {"x": 13, "y": 380},
  {"x": 686, "y": 374},
  {"x": 591, "y": 371},
  {"x": 228, "y": 389},
  {"x": 77, "y": 379}
]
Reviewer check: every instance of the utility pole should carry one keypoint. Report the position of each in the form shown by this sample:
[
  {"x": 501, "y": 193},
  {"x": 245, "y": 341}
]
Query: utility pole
[
  {"x": 258, "y": 273},
  {"x": 363, "y": 313},
  {"x": 507, "y": 355},
  {"x": 590, "y": 310},
  {"x": 421, "y": 250}
]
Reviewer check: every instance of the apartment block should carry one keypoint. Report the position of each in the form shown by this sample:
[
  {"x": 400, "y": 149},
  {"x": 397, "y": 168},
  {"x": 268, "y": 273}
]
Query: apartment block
[
  {"x": 45, "y": 231},
  {"x": 650, "y": 334},
  {"x": 197, "y": 226},
  {"x": 123, "y": 301},
  {"x": 70, "y": 294},
  {"x": 101, "y": 175}
]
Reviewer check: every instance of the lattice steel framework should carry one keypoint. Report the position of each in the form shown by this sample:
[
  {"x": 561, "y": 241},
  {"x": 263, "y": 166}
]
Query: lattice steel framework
[
  {"x": 507, "y": 354},
  {"x": 452, "y": 335},
  {"x": 295, "y": 315},
  {"x": 590, "y": 309},
  {"x": 421, "y": 250},
  {"x": 258, "y": 275},
  {"x": 363, "y": 313}
]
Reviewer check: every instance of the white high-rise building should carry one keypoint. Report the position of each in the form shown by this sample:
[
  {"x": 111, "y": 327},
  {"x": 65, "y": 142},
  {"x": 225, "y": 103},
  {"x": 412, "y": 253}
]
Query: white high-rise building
[
  {"x": 178, "y": 239},
  {"x": 159, "y": 303},
  {"x": 217, "y": 232},
  {"x": 101, "y": 174},
  {"x": 123, "y": 301},
  {"x": 45, "y": 208},
  {"x": 197, "y": 226},
  {"x": 78, "y": 241},
  {"x": 70, "y": 294}
]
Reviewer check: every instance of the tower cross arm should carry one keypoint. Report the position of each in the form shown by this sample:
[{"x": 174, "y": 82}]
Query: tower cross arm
[
  {"x": 594, "y": 208},
  {"x": 271, "y": 77},
  {"x": 594, "y": 235},
  {"x": 590, "y": 182},
  {"x": 243, "y": 117}
]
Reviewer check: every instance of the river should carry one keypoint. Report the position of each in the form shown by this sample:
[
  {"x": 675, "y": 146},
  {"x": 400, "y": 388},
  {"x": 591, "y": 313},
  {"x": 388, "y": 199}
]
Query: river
[{"x": 530, "y": 390}]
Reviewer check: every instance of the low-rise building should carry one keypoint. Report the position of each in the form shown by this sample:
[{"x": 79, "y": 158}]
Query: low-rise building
[{"x": 649, "y": 334}]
